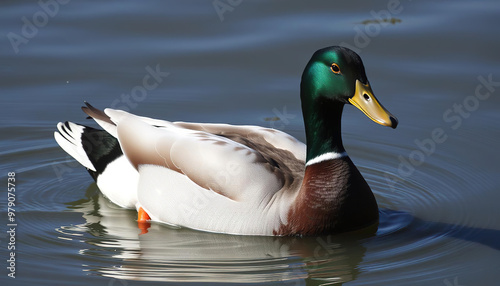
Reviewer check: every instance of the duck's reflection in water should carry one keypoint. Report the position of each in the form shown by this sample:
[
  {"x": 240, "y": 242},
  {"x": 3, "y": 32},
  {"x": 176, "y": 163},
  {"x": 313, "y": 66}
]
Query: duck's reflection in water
[
  {"x": 113, "y": 247},
  {"x": 168, "y": 254}
]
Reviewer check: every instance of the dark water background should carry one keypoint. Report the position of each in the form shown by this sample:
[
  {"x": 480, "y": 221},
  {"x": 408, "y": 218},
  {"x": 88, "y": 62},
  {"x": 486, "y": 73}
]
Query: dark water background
[{"x": 436, "y": 177}]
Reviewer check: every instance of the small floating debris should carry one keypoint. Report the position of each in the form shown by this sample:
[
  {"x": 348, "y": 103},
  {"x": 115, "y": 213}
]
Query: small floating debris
[
  {"x": 380, "y": 21},
  {"x": 275, "y": 118}
]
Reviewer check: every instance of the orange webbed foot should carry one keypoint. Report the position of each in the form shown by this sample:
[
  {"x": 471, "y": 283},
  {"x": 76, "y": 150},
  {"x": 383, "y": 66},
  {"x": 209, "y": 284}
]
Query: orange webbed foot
[{"x": 143, "y": 220}]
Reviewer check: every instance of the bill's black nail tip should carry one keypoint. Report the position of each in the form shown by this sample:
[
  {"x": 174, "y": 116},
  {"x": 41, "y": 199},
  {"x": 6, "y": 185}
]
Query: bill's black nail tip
[{"x": 394, "y": 122}]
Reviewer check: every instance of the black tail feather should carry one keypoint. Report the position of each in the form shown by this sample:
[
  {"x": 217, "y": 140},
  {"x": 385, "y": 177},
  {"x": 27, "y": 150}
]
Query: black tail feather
[{"x": 101, "y": 148}]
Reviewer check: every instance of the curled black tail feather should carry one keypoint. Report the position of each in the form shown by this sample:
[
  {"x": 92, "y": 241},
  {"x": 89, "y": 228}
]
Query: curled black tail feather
[{"x": 93, "y": 112}]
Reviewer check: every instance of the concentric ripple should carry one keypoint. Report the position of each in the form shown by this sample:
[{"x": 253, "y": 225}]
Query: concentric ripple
[
  {"x": 425, "y": 216},
  {"x": 65, "y": 213}
]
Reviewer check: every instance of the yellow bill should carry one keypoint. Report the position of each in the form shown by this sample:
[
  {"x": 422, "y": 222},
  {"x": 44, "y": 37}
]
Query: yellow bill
[{"x": 365, "y": 101}]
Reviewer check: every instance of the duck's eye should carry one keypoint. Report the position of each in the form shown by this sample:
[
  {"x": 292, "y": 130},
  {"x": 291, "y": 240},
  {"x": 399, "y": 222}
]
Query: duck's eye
[{"x": 335, "y": 68}]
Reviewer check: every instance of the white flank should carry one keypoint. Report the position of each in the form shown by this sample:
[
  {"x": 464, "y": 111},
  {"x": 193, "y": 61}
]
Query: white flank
[
  {"x": 326, "y": 157},
  {"x": 172, "y": 198},
  {"x": 118, "y": 182}
]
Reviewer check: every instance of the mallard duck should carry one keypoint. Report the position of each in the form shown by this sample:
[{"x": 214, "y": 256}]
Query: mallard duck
[{"x": 245, "y": 180}]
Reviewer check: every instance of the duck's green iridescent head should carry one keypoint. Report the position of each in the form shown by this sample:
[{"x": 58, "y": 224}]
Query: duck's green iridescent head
[{"x": 336, "y": 74}]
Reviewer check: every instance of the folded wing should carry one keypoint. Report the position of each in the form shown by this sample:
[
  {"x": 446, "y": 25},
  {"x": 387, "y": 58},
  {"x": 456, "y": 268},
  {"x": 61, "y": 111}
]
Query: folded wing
[{"x": 235, "y": 161}]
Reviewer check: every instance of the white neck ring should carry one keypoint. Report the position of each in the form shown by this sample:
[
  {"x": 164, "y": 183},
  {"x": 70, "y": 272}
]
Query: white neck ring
[{"x": 326, "y": 157}]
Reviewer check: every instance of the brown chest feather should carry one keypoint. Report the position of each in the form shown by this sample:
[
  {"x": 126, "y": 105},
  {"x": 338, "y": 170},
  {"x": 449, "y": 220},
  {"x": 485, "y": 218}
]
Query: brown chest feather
[{"x": 333, "y": 198}]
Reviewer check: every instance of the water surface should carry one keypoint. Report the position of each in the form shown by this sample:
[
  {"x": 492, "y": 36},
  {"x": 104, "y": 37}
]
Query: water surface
[{"x": 435, "y": 177}]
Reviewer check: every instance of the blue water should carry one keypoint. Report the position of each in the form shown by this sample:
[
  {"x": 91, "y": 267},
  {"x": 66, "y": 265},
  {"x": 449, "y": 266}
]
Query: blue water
[{"x": 435, "y": 177}]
